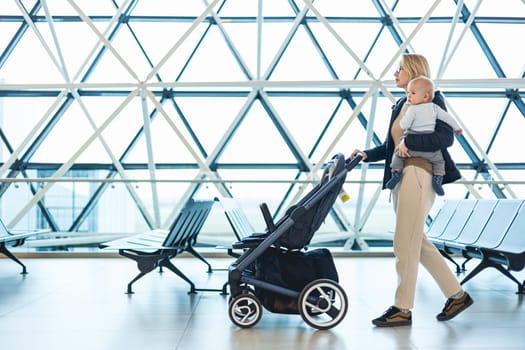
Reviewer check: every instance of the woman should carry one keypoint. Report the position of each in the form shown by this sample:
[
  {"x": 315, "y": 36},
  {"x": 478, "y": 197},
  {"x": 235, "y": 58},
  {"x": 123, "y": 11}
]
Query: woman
[{"x": 413, "y": 198}]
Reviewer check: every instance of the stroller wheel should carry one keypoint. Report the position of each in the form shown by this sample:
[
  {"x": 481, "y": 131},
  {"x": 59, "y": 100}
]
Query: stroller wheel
[
  {"x": 245, "y": 290},
  {"x": 245, "y": 310},
  {"x": 323, "y": 304}
]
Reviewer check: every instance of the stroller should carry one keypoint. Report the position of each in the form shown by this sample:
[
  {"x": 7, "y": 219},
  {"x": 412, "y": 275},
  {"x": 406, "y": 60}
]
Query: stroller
[{"x": 276, "y": 271}]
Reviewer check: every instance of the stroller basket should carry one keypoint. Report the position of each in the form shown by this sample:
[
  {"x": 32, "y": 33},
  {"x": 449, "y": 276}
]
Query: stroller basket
[{"x": 275, "y": 270}]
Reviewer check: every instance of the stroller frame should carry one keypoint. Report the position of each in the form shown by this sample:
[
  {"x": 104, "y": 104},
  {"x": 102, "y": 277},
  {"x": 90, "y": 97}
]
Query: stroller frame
[{"x": 322, "y": 303}]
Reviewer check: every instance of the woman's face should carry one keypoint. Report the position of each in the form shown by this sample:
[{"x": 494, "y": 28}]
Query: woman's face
[{"x": 401, "y": 77}]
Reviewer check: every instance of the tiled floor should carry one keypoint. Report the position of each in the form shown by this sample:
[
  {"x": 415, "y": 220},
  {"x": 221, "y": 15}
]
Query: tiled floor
[{"x": 79, "y": 303}]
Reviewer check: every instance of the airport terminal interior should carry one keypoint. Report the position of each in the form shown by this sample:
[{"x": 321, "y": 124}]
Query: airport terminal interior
[{"x": 184, "y": 174}]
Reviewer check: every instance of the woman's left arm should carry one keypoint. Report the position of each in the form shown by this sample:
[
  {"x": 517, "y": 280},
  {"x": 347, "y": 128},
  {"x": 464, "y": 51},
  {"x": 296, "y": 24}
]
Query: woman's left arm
[{"x": 442, "y": 137}]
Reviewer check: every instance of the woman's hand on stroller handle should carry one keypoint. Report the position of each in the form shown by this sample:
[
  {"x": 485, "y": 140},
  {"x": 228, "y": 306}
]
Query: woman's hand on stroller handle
[
  {"x": 358, "y": 152},
  {"x": 354, "y": 159}
]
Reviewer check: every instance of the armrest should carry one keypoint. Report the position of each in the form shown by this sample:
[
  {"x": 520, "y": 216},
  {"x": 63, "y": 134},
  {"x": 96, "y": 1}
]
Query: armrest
[{"x": 270, "y": 225}]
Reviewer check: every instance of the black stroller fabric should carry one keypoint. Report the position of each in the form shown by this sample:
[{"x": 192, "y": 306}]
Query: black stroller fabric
[
  {"x": 308, "y": 219},
  {"x": 292, "y": 270}
]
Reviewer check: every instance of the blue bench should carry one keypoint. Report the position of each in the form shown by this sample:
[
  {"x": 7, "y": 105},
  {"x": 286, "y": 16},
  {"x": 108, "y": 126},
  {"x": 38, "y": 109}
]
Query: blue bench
[
  {"x": 491, "y": 230},
  {"x": 156, "y": 248},
  {"x": 14, "y": 239},
  {"x": 238, "y": 221}
]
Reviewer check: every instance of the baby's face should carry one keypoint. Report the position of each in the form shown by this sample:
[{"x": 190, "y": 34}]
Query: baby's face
[{"x": 416, "y": 94}]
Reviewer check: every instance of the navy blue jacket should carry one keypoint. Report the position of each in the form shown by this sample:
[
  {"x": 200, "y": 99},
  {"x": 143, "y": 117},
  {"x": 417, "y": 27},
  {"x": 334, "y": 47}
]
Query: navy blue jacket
[{"x": 440, "y": 139}]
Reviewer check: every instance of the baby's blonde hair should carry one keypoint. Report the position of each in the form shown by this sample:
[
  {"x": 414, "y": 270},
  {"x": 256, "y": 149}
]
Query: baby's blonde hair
[{"x": 424, "y": 83}]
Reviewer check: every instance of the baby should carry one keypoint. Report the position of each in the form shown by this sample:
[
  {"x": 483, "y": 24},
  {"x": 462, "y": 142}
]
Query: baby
[{"x": 420, "y": 117}]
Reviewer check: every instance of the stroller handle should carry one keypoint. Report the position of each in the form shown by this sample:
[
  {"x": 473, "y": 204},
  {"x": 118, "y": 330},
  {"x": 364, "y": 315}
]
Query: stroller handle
[{"x": 350, "y": 163}]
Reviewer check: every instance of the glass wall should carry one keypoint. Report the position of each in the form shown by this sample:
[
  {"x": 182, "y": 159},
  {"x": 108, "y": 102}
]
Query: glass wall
[{"x": 114, "y": 113}]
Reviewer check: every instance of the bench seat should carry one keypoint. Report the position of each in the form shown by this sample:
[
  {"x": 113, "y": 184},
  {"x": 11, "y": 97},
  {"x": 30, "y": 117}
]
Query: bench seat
[
  {"x": 14, "y": 239},
  {"x": 491, "y": 230}
]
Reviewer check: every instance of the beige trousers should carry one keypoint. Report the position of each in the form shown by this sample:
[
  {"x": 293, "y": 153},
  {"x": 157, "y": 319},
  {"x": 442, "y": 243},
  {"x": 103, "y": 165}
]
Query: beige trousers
[{"x": 413, "y": 198}]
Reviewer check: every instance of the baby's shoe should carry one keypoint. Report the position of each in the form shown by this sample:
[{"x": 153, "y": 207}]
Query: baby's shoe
[{"x": 437, "y": 181}]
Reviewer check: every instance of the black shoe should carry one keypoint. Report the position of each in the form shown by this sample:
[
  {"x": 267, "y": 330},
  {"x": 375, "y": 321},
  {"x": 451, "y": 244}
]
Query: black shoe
[
  {"x": 393, "y": 317},
  {"x": 437, "y": 182},
  {"x": 454, "y": 306},
  {"x": 394, "y": 180}
]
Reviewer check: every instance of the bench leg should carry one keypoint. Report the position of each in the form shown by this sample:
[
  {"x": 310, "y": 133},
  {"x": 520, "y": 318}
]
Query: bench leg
[
  {"x": 10, "y": 255},
  {"x": 139, "y": 276},
  {"x": 193, "y": 290},
  {"x": 169, "y": 265},
  {"x": 224, "y": 290},
  {"x": 464, "y": 264},
  {"x": 145, "y": 263},
  {"x": 485, "y": 263},
  {"x": 449, "y": 258},
  {"x": 200, "y": 257}
]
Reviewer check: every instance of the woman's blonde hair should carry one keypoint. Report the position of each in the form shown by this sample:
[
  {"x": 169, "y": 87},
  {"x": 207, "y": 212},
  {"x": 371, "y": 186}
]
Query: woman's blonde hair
[{"x": 415, "y": 65}]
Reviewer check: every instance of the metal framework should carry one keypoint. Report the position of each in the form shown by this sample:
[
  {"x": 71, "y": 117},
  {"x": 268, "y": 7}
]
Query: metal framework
[{"x": 362, "y": 94}]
